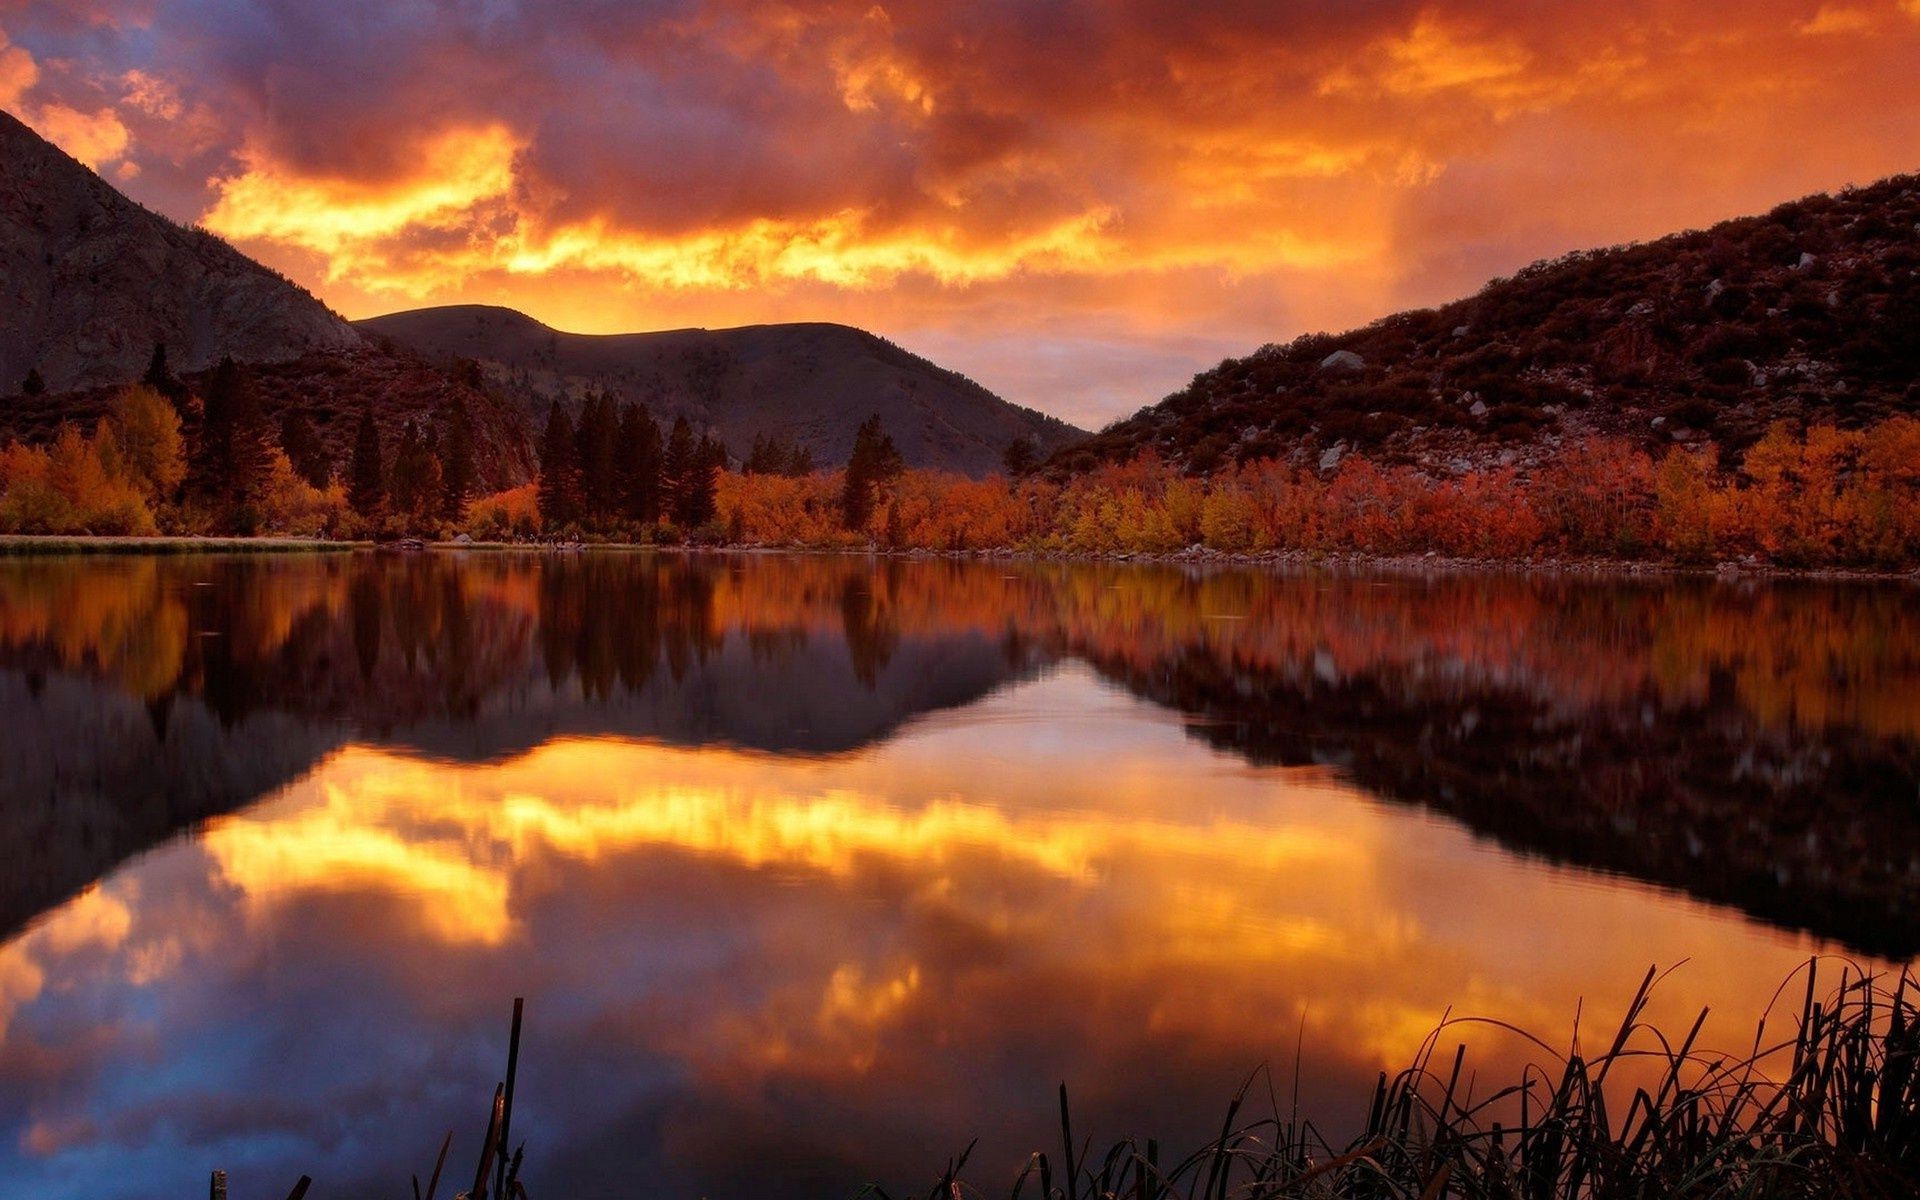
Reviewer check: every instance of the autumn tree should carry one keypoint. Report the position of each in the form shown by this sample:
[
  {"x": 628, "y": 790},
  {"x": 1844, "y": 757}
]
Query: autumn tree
[
  {"x": 146, "y": 432},
  {"x": 367, "y": 476},
  {"x": 559, "y": 492}
]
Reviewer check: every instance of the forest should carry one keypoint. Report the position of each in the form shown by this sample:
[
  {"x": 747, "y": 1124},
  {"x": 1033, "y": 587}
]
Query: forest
[{"x": 163, "y": 461}]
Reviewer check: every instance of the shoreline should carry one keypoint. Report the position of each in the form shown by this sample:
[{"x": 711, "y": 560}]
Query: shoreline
[{"x": 31, "y": 545}]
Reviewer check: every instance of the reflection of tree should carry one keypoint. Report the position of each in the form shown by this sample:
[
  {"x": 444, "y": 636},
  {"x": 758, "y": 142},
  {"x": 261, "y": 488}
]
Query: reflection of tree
[
  {"x": 1752, "y": 745},
  {"x": 871, "y": 635}
]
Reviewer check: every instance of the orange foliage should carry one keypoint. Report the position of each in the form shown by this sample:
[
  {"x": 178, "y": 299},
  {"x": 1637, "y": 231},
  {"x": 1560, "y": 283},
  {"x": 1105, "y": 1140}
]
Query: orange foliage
[{"x": 514, "y": 513}]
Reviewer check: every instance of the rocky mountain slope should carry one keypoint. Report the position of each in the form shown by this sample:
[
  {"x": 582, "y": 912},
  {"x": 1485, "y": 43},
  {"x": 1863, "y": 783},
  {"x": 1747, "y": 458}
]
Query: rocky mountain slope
[
  {"x": 90, "y": 280},
  {"x": 1810, "y": 312},
  {"x": 811, "y": 384}
]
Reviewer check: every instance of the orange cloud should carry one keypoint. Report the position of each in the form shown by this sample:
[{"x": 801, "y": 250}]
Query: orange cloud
[{"x": 1130, "y": 184}]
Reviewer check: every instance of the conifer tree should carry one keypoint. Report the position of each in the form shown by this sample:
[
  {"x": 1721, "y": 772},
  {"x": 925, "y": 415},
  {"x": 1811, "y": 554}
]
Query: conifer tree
[
  {"x": 638, "y": 465},
  {"x": 596, "y": 445},
  {"x": 304, "y": 452},
  {"x": 367, "y": 478},
  {"x": 677, "y": 469},
  {"x": 1020, "y": 456},
  {"x": 457, "y": 473},
  {"x": 229, "y": 461},
  {"x": 874, "y": 463},
  {"x": 558, "y": 494},
  {"x": 33, "y": 385},
  {"x": 162, "y": 380}
]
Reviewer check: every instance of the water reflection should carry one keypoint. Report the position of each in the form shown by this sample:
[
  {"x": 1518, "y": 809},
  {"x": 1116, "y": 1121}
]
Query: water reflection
[{"x": 816, "y": 869}]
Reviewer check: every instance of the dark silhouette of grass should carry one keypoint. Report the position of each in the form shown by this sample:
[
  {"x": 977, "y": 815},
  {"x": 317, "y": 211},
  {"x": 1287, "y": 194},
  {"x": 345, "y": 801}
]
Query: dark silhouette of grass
[{"x": 1829, "y": 1109}]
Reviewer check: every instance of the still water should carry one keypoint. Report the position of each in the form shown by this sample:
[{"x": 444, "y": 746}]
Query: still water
[{"x": 815, "y": 869}]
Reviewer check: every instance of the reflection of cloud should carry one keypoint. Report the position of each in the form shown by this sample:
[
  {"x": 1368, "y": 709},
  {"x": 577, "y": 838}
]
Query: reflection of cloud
[
  {"x": 94, "y": 920},
  {"x": 922, "y": 940}
]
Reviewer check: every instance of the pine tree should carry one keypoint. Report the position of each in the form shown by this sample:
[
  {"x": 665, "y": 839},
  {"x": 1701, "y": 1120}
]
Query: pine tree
[
  {"x": 367, "y": 478},
  {"x": 596, "y": 445},
  {"x": 559, "y": 492},
  {"x": 700, "y": 484},
  {"x": 303, "y": 449},
  {"x": 800, "y": 465},
  {"x": 638, "y": 465},
  {"x": 1020, "y": 456},
  {"x": 873, "y": 464},
  {"x": 228, "y": 466},
  {"x": 33, "y": 385},
  {"x": 162, "y": 380},
  {"x": 677, "y": 469},
  {"x": 406, "y": 482},
  {"x": 457, "y": 473}
]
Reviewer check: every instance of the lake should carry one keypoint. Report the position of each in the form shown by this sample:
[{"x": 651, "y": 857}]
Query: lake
[{"x": 814, "y": 869}]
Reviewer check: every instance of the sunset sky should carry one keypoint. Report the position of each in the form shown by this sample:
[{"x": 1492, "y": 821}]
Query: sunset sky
[{"x": 1077, "y": 202}]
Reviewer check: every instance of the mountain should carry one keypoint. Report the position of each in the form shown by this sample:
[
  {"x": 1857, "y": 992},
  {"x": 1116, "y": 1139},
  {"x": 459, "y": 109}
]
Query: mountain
[
  {"x": 1808, "y": 313},
  {"x": 809, "y": 383},
  {"x": 90, "y": 281}
]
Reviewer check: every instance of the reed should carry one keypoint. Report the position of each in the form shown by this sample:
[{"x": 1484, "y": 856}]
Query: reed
[{"x": 1829, "y": 1107}]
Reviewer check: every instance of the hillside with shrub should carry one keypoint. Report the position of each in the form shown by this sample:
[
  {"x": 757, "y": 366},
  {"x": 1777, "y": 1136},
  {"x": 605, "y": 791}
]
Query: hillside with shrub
[{"x": 1809, "y": 314}]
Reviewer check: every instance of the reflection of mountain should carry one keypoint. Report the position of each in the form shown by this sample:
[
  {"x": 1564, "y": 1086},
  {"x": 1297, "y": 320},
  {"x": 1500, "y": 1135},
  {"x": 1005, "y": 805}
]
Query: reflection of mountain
[
  {"x": 1752, "y": 747},
  {"x": 155, "y": 693}
]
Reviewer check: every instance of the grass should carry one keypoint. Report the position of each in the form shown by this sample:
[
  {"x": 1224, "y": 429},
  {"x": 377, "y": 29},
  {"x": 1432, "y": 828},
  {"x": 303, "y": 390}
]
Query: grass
[{"x": 1829, "y": 1108}]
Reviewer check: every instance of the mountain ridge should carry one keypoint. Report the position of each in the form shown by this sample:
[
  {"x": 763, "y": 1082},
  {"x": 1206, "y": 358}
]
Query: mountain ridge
[
  {"x": 808, "y": 382},
  {"x": 92, "y": 280}
]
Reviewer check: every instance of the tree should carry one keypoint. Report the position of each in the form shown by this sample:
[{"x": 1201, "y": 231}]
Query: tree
[
  {"x": 677, "y": 465},
  {"x": 416, "y": 483},
  {"x": 147, "y": 435},
  {"x": 559, "y": 492},
  {"x": 1020, "y": 456},
  {"x": 596, "y": 447},
  {"x": 162, "y": 380},
  {"x": 800, "y": 464},
  {"x": 33, "y": 385},
  {"x": 457, "y": 473},
  {"x": 874, "y": 464},
  {"x": 637, "y": 465},
  {"x": 699, "y": 487},
  {"x": 304, "y": 451},
  {"x": 367, "y": 476},
  {"x": 229, "y": 461}
]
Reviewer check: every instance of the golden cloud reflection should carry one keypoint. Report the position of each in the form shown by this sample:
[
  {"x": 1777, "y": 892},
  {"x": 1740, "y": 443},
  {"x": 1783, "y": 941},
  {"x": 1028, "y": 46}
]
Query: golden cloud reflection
[{"x": 1367, "y": 924}]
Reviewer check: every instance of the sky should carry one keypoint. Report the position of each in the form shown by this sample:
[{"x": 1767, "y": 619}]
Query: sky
[{"x": 1079, "y": 203}]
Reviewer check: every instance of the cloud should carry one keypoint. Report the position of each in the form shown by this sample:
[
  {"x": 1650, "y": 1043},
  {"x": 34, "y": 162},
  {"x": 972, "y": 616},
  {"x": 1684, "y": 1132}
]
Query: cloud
[{"x": 1103, "y": 170}]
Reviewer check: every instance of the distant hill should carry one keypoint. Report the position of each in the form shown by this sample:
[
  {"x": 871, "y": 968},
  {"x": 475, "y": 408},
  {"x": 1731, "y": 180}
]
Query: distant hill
[
  {"x": 809, "y": 383},
  {"x": 1811, "y": 312},
  {"x": 90, "y": 280}
]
